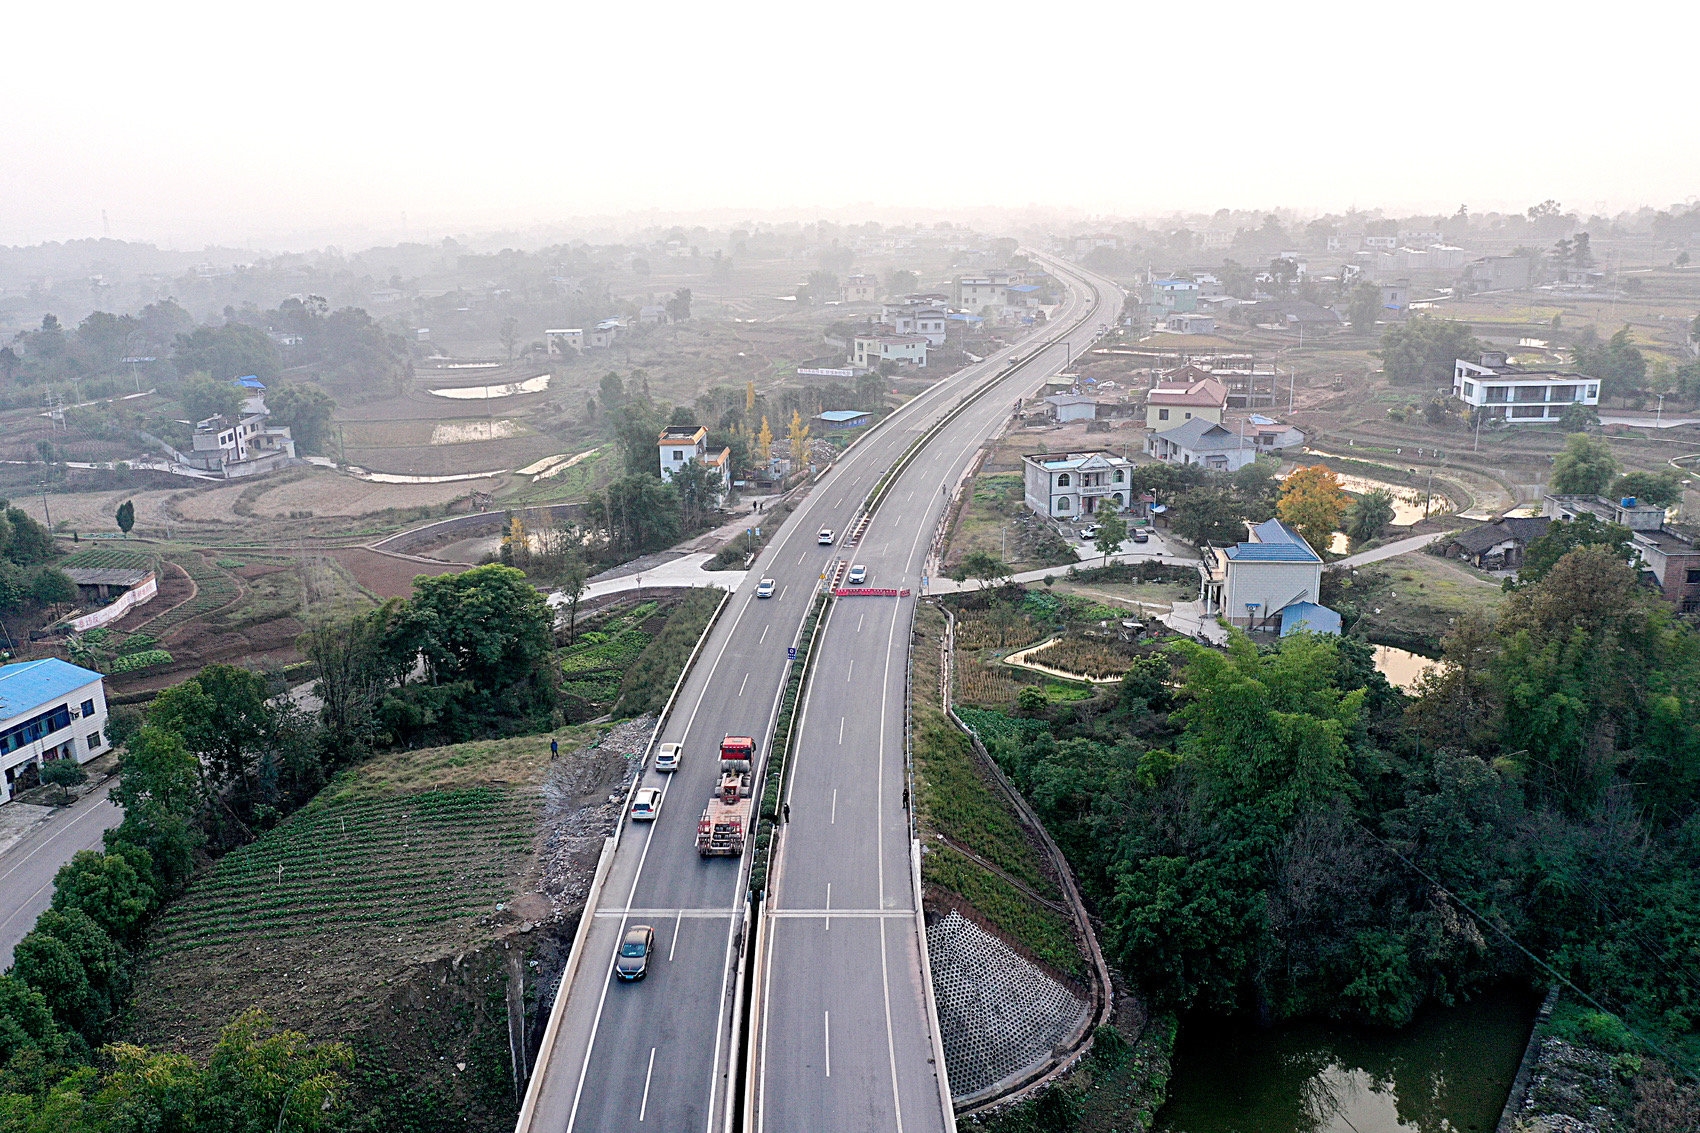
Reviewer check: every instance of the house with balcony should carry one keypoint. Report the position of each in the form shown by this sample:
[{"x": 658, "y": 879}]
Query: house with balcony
[
  {"x": 1667, "y": 559},
  {"x": 243, "y": 444},
  {"x": 1204, "y": 443},
  {"x": 1272, "y": 579},
  {"x": 974, "y": 293},
  {"x": 1503, "y": 392},
  {"x": 1062, "y": 485},
  {"x": 882, "y": 344}
]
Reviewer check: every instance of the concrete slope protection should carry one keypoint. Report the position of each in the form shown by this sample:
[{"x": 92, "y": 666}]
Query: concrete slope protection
[
  {"x": 843, "y": 1039},
  {"x": 659, "y": 1052}
]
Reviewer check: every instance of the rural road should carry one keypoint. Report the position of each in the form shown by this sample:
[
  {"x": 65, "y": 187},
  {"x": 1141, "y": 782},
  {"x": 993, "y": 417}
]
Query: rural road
[
  {"x": 27, "y": 866},
  {"x": 658, "y": 1053},
  {"x": 1388, "y": 551}
]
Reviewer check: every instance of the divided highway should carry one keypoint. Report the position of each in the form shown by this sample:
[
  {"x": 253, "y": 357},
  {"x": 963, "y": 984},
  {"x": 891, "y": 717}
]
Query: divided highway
[{"x": 846, "y": 987}]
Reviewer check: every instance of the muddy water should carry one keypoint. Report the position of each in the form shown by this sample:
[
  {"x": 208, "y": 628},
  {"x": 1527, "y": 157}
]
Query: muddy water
[
  {"x": 1401, "y": 667},
  {"x": 1448, "y": 1072},
  {"x": 1407, "y": 501}
]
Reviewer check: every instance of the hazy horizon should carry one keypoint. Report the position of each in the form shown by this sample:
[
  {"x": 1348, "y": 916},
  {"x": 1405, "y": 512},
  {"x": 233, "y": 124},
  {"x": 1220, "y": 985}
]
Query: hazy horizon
[{"x": 341, "y": 125}]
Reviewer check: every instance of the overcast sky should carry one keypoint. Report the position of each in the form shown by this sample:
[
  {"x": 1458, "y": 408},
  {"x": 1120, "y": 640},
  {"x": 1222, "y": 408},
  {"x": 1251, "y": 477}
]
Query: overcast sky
[{"x": 287, "y": 125}]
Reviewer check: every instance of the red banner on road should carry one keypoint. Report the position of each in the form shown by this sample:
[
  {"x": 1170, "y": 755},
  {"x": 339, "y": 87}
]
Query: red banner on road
[{"x": 869, "y": 592}]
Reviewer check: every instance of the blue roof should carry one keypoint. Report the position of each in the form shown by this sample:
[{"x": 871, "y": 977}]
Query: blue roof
[
  {"x": 1309, "y": 618},
  {"x": 1277, "y": 543},
  {"x": 1022, "y": 287},
  {"x": 249, "y": 382},
  {"x": 27, "y": 685},
  {"x": 843, "y": 414}
]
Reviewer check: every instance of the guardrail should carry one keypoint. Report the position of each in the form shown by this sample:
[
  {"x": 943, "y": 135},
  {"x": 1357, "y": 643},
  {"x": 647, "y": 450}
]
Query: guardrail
[{"x": 558, "y": 1009}]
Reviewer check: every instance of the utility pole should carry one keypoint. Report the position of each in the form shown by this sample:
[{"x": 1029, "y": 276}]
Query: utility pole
[
  {"x": 1658, "y": 418},
  {"x": 1292, "y": 384}
]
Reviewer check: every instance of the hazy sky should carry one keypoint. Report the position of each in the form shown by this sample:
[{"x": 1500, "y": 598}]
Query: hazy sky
[{"x": 292, "y": 124}]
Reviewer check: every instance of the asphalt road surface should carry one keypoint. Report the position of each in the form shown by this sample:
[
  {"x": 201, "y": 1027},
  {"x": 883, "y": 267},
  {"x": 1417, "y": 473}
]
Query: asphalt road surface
[
  {"x": 28, "y": 865},
  {"x": 655, "y": 1054}
]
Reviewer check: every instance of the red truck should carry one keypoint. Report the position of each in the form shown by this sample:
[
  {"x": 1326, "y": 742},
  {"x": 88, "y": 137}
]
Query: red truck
[{"x": 725, "y": 822}]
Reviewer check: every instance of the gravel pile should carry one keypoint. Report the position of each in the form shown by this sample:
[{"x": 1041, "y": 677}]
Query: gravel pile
[{"x": 581, "y": 805}]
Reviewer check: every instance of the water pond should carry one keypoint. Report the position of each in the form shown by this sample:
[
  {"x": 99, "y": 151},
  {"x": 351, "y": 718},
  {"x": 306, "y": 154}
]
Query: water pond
[
  {"x": 1401, "y": 667},
  {"x": 1448, "y": 1072}
]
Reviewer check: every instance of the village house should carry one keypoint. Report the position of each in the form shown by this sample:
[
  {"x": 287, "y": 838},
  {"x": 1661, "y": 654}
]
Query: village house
[
  {"x": 1068, "y": 407},
  {"x": 1500, "y": 391},
  {"x": 1668, "y": 559},
  {"x": 1167, "y": 405},
  {"x": 242, "y": 445},
  {"x": 1064, "y": 485},
  {"x": 861, "y": 289},
  {"x": 1204, "y": 443},
  {"x": 604, "y": 334},
  {"x": 49, "y": 709},
  {"x": 974, "y": 293},
  {"x": 1499, "y": 544},
  {"x": 113, "y": 591},
  {"x": 1190, "y": 322},
  {"x": 881, "y": 344},
  {"x": 916, "y": 316},
  {"x": 843, "y": 419},
  {"x": 1270, "y": 580},
  {"x": 653, "y": 316},
  {"x": 1168, "y": 296},
  {"x": 1270, "y": 435},
  {"x": 558, "y": 342}
]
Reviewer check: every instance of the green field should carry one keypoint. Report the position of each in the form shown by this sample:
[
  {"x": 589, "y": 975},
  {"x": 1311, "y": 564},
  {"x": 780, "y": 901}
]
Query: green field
[{"x": 118, "y": 558}]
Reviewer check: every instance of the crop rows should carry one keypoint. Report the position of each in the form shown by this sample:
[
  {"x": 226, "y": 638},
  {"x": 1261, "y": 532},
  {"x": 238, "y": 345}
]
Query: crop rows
[
  {"x": 993, "y": 727},
  {"x": 214, "y": 589},
  {"x": 411, "y": 861},
  {"x": 112, "y": 557}
]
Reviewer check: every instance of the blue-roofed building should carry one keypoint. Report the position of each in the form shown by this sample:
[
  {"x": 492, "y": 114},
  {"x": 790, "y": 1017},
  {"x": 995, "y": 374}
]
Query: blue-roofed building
[
  {"x": 845, "y": 418},
  {"x": 49, "y": 709},
  {"x": 1251, "y": 583},
  {"x": 1308, "y": 617}
]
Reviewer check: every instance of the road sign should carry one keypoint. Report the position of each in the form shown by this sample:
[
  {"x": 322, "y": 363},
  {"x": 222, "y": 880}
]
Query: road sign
[{"x": 791, "y": 652}]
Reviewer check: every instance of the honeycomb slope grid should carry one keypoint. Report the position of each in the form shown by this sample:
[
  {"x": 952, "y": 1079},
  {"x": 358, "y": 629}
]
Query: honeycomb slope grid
[{"x": 998, "y": 1013}]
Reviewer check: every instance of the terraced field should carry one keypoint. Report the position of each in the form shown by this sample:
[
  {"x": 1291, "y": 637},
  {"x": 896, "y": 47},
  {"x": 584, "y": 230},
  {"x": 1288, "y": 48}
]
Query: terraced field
[
  {"x": 214, "y": 589},
  {"x": 116, "y": 558},
  {"x": 398, "y": 864}
]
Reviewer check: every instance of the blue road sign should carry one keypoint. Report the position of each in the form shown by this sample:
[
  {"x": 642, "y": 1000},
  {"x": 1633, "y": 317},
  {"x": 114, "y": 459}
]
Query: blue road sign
[{"x": 791, "y": 652}]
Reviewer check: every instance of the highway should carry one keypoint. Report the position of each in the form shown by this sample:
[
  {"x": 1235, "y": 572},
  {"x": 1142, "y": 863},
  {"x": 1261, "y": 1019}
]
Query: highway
[
  {"x": 657, "y": 1053},
  {"x": 28, "y": 867}
]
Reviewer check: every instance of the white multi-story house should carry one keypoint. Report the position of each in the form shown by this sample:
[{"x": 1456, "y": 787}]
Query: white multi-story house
[
  {"x": 682, "y": 444},
  {"x": 882, "y": 344},
  {"x": 861, "y": 289},
  {"x": 975, "y": 293},
  {"x": 245, "y": 444},
  {"x": 49, "y": 709},
  {"x": 921, "y": 317},
  {"x": 1517, "y": 396},
  {"x": 558, "y": 342},
  {"x": 1062, "y": 485}
]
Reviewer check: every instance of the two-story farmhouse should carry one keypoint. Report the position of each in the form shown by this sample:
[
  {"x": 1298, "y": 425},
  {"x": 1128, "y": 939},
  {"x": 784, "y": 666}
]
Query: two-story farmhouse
[
  {"x": 49, "y": 709},
  {"x": 1508, "y": 393},
  {"x": 1255, "y": 583},
  {"x": 1063, "y": 485},
  {"x": 1168, "y": 404}
]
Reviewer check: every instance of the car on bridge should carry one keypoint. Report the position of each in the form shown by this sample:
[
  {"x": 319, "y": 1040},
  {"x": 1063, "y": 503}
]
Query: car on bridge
[
  {"x": 635, "y": 947},
  {"x": 668, "y": 757},
  {"x": 764, "y": 588},
  {"x": 858, "y": 575},
  {"x": 646, "y": 804},
  {"x": 824, "y": 538}
]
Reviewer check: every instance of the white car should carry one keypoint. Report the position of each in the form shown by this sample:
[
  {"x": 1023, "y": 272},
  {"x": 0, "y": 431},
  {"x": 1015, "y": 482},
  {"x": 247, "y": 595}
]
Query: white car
[
  {"x": 646, "y": 804},
  {"x": 1089, "y": 532},
  {"x": 667, "y": 757},
  {"x": 858, "y": 575},
  {"x": 825, "y": 537},
  {"x": 764, "y": 588}
]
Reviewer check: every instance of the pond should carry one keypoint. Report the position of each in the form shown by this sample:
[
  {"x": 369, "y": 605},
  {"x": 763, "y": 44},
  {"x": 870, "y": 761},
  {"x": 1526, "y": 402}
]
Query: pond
[
  {"x": 1448, "y": 1072},
  {"x": 1407, "y": 501},
  {"x": 1401, "y": 667}
]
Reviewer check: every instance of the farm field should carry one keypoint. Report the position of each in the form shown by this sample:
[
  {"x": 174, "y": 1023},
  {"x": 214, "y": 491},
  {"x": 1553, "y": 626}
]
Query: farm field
[{"x": 1413, "y": 600}]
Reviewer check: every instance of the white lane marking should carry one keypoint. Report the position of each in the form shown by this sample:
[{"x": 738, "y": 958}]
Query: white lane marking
[
  {"x": 826, "y": 1028},
  {"x": 890, "y": 1038},
  {"x": 763, "y": 636},
  {"x": 848, "y": 673},
  {"x": 801, "y": 557},
  {"x": 833, "y": 821},
  {"x": 678, "y": 923},
  {"x": 835, "y": 506},
  {"x": 783, "y": 590},
  {"x": 867, "y": 914},
  {"x": 743, "y": 683},
  {"x": 859, "y": 618},
  {"x": 911, "y": 495},
  {"x": 643, "y": 1110},
  {"x": 840, "y": 732},
  {"x": 828, "y": 906}
]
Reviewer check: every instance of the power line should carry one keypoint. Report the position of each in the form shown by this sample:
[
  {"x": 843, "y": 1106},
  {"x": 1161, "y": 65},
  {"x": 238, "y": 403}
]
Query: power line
[{"x": 1509, "y": 939}]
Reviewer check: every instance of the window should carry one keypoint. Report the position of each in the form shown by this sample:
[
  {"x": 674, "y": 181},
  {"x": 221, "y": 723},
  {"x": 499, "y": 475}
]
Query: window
[
  {"x": 88, "y": 708},
  {"x": 1189, "y": 414},
  {"x": 1062, "y": 504},
  {"x": 22, "y": 735},
  {"x": 1593, "y": 391},
  {"x": 1119, "y": 476},
  {"x": 1062, "y": 480},
  {"x": 678, "y": 454},
  {"x": 93, "y": 741},
  {"x": 1162, "y": 414},
  {"x": 1693, "y": 577}
]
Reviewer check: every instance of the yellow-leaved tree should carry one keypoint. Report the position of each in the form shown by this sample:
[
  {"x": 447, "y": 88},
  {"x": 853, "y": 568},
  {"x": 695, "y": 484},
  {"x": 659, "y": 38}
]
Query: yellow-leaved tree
[
  {"x": 1312, "y": 502},
  {"x": 764, "y": 442},
  {"x": 799, "y": 439}
]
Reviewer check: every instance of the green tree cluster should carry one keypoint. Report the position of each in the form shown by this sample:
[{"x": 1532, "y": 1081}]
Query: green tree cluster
[{"x": 1422, "y": 350}]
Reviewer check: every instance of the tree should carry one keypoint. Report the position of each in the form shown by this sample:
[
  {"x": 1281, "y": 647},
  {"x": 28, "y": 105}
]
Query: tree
[
  {"x": 126, "y": 517},
  {"x": 984, "y": 567},
  {"x": 1617, "y": 362},
  {"x": 52, "y": 587},
  {"x": 572, "y": 580},
  {"x": 1312, "y": 502},
  {"x": 1112, "y": 530},
  {"x": 636, "y": 426},
  {"x": 77, "y": 968},
  {"x": 203, "y": 397},
  {"x": 1578, "y": 418},
  {"x": 1207, "y": 515},
  {"x": 1423, "y": 350},
  {"x": 679, "y": 306},
  {"x": 1585, "y": 467},
  {"x": 231, "y": 351},
  {"x": 764, "y": 442},
  {"x": 613, "y": 391},
  {"x": 24, "y": 541},
  {"x": 510, "y": 335},
  {"x": 1566, "y": 535},
  {"x": 799, "y": 434},
  {"x": 64, "y": 774},
  {"x": 1366, "y": 518},
  {"x": 699, "y": 488},
  {"x": 9, "y": 362},
  {"x": 222, "y": 716},
  {"x": 900, "y": 281},
  {"x": 307, "y": 410},
  {"x": 1364, "y": 306},
  {"x": 108, "y": 889},
  {"x": 640, "y": 514},
  {"x": 488, "y": 626},
  {"x": 1660, "y": 489}
]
